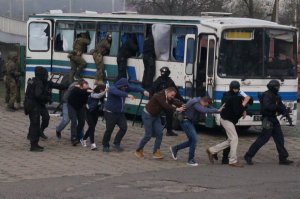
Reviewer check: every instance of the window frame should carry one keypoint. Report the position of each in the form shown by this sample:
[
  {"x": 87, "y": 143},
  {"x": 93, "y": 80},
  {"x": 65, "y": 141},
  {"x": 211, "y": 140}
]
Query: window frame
[
  {"x": 56, "y": 25},
  {"x": 49, "y": 36}
]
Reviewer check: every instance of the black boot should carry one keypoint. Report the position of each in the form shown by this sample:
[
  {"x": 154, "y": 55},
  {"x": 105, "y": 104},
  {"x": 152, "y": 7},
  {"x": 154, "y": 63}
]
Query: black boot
[
  {"x": 286, "y": 162},
  {"x": 171, "y": 133},
  {"x": 248, "y": 159},
  {"x": 42, "y": 135},
  {"x": 34, "y": 147}
]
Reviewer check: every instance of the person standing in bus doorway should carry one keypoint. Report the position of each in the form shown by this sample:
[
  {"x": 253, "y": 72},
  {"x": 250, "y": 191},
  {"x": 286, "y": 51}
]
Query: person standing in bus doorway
[
  {"x": 114, "y": 112},
  {"x": 234, "y": 109},
  {"x": 127, "y": 50},
  {"x": 38, "y": 94},
  {"x": 149, "y": 61},
  {"x": 12, "y": 81},
  {"x": 193, "y": 108},
  {"x": 163, "y": 100},
  {"x": 76, "y": 60},
  {"x": 271, "y": 107},
  {"x": 161, "y": 83},
  {"x": 102, "y": 49}
]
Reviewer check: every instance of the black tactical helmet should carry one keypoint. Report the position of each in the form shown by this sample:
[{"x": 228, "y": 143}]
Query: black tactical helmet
[
  {"x": 165, "y": 71},
  {"x": 273, "y": 85},
  {"x": 234, "y": 85}
]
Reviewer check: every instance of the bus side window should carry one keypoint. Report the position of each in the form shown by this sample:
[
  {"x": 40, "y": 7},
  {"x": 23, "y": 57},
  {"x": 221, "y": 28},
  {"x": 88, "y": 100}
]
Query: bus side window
[
  {"x": 38, "y": 36},
  {"x": 134, "y": 32},
  {"x": 178, "y": 41},
  {"x": 64, "y": 36},
  {"x": 114, "y": 29},
  {"x": 87, "y": 28}
]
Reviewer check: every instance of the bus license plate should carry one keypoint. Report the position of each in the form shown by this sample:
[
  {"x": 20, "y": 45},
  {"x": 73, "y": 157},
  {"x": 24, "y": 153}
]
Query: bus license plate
[{"x": 257, "y": 118}]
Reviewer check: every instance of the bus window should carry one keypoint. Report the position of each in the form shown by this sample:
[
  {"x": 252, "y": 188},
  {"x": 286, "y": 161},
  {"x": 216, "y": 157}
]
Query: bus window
[
  {"x": 211, "y": 58},
  {"x": 190, "y": 56},
  {"x": 178, "y": 41},
  {"x": 134, "y": 33},
  {"x": 64, "y": 36},
  {"x": 114, "y": 29},
  {"x": 39, "y": 36},
  {"x": 87, "y": 27}
]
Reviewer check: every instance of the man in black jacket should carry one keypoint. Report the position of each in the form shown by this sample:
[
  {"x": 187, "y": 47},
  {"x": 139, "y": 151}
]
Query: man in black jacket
[
  {"x": 271, "y": 106},
  {"x": 38, "y": 94},
  {"x": 161, "y": 83},
  {"x": 234, "y": 109}
]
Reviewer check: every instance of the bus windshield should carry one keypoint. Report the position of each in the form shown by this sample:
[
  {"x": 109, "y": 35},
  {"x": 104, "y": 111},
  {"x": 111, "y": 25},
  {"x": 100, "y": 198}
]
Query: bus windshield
[{"x": 258, "y": 53}]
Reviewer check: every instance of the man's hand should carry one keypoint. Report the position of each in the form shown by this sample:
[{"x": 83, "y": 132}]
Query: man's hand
[
  {"x": 246, "y": 100},
  {"x": 244, "y": 114},
  {"x": 181, "y": 109},
  {"x": 146, "y": 93},
  {"x": 131, "y": 97},
  {"x": 221, "y": 108}
]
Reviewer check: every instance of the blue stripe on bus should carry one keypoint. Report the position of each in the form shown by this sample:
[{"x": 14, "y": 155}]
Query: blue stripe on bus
[{"x": 284, "y": 95}]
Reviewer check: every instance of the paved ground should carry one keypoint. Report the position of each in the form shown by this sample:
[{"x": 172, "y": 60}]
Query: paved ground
[{"x": 64, "y": 171}]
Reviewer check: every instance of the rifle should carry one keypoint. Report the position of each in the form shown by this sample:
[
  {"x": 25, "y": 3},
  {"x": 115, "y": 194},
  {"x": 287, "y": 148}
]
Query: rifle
[{"x": 286, "y": 114}]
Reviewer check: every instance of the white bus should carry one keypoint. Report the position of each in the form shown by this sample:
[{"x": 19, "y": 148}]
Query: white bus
[{"x": 204, "y": 53}]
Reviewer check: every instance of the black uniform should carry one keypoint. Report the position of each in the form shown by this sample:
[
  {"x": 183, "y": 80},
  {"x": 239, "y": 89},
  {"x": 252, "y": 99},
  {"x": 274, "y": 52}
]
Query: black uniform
[
  {"x": 149, "y": 62},
  {"x": 160, "y": 84},
  {"x": 127, "y": 50},
  {"x": 271, "y": 106},
  {"x": 38, "y": 94}
]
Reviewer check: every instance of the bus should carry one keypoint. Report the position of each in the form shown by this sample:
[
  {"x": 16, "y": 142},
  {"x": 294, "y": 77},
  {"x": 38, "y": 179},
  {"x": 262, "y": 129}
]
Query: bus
[{"x": 204, "y": 53}]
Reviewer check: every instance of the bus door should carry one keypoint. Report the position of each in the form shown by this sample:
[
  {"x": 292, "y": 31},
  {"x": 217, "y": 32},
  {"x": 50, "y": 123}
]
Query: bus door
[
  {"x": 189, "y": 62},
  {"x": 210, "y": 65},
  {"x": 39, "y": 46}
]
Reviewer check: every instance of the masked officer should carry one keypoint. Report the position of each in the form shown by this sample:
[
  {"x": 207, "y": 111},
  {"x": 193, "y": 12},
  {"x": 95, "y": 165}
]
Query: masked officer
[
  {"x": 149, "y": 61},
  {"x": 102, "y": 49},
  {"x": 38, "y": 94},
  {"x": 76, "y": 60},
  {"x": 12, "y": 80},
  {"x": 271, "y": 107},
  {"x": 161, "y": 83}
]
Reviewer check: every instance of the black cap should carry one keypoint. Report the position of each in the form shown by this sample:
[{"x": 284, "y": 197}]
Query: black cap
[
  {"x": 273, "y": 85},
  {"x": 234, "y": 85}
]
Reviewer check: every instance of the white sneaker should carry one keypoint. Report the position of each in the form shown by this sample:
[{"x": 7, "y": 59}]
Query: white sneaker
[
  {"x": 83, "y": 142},
  {"x": 93, "y": 146}
]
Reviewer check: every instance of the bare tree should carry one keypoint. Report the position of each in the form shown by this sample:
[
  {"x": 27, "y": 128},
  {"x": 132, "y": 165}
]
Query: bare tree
[{"x": 176, "y": 7}]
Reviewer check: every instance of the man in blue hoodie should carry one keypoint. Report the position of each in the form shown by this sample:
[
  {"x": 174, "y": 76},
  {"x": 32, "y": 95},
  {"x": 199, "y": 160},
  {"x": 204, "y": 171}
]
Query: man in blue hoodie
[{"x": 114, "y": 111}]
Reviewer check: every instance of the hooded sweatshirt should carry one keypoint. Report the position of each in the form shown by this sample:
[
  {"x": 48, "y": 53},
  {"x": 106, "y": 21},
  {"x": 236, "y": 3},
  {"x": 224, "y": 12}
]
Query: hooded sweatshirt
[{"x": 116, "y": 97}]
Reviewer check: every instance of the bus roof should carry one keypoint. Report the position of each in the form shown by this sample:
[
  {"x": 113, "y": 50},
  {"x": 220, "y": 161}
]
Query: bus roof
[{"x": 214, "y": 22}]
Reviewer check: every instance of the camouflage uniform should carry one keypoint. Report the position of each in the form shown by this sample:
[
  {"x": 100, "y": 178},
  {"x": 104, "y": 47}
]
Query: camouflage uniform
[
  {"x": 102, "y": 49},
  {"x": 76, "y": 60},
  {"x": 12, "y": 81}
]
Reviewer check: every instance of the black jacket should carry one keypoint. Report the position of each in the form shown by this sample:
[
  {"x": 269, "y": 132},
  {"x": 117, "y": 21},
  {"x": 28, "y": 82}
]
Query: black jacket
[
  {"x": 234, "y": 109},
  {"x": 78, "y": 98},
  {"x": 128, "y": 49}
]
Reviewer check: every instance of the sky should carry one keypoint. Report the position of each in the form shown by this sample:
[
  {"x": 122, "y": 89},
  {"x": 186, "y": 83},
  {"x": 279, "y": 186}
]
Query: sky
[{"x": 14, "y": 9}]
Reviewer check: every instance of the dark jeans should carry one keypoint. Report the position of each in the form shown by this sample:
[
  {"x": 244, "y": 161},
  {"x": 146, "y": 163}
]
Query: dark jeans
[
  {"x": 190, "y": 131},
  {"x": 122, "y": 68},
  {"x": 77, "y": 118},
  {"x": 92, "y": 119},
  {"x": 113, "y": 119},
  {"x": 264, "y": 137},
  {"x": 36, "y": 127},
  {"x": 169, "y": 120},
  {"x": 152, "y": 125},
  {"x": 149, "y": 71}
]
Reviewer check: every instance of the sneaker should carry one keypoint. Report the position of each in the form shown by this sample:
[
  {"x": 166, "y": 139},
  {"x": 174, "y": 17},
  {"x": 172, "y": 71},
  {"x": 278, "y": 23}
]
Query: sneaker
[
  {"x": 173, "y": 153},
  {"x": 286, "y": 162},
  {"x": 237, "y": 164},
  {"x": 118, "y": 147},
  {"x": 157, "y": 155},
  {"x": 248, "y": 159},
  {"x": 93, "y": 147},
  {"x": 58, "y": 135},
  {"x": 75, "y": 142},
  {"x": 139, "y": 154},
  {"x": 171, "y": 133},
  {"x": 192, "y": 163},
  {"x": 36, "y": 149},
  {"x": 83, "y": 142},
  {"x": 210, "y": 156},
  {"x": 40, "y": 147},
  {"x": 106, "y": 149}
]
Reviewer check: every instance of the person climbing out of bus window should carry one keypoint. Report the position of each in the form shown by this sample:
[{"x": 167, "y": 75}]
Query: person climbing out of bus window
[
  {"x": 234, "y": 109},
  {"x": 161, "y": 83},
  {"x": 38, "y": 94},
  {"x": 102, "y": 49},
  {"x": 114, "y": 112},
  {"x": 151, "y": 119},
  {"x": 149, "y": 61},
  {"x": 127, "y": 50},
  {"x": 76, "y": 60},
  {"x": 271, "y": 107}
]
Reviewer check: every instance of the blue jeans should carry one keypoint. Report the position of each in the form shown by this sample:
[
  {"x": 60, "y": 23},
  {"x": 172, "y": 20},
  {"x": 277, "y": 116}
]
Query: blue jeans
[
  {"x": 65, "y": 119},
  {"x": 190, "y": 131},
  {"x": 151, "y": 124}
]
